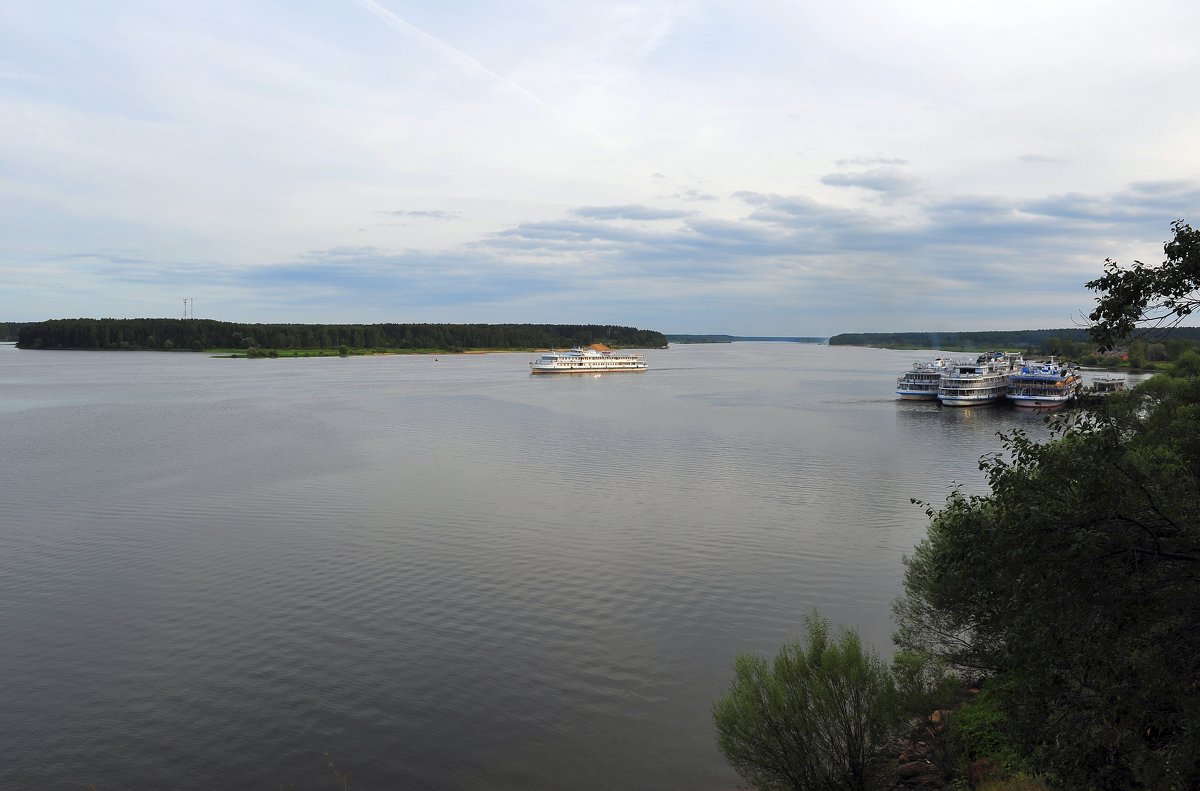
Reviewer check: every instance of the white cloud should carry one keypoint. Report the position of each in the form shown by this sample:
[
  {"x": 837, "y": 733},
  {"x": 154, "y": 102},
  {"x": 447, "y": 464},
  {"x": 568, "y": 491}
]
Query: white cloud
[{"x": 781, "y": 159}]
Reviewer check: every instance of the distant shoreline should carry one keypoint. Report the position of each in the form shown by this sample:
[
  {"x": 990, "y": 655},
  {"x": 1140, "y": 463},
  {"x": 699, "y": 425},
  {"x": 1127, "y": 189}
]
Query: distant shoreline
[
  {"x": 323, "y": 340},
  {"x": 718, "y": 338},
  {"x": 980, "y": 341},
  {"x": 227, "y": 353}
]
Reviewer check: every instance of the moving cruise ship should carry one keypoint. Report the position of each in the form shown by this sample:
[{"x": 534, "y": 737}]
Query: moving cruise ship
[
  {"x": 595, "y": 358},
  {"x": 984, "y": 381},
  {"x": 921, "y": 382}
]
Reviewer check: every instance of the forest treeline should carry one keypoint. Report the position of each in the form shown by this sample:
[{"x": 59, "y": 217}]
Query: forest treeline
[
  {"x": 10, "y": 329},
  {"x": 1069, "y": 342},
  {"x": 959, "y": 341},
  {"x": 734, "y": 338},
  {"x": 201, "y": 334}
]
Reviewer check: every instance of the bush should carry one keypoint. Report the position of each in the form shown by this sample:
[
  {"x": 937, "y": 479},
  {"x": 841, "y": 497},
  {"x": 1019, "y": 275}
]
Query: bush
[
  {"x": 979, "y": 730},
  {"x": 924, "y": 683},
  {"x": 821, "y": 716},
  {"x": 1074, "y": 587}
]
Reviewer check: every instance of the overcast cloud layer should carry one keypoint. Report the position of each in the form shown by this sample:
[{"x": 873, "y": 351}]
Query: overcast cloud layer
[{"x": 774, "y": 168}]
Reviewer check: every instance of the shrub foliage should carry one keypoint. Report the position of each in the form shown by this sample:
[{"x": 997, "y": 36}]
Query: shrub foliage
[
  {"x": 1075, "y": 585},
  {"x": 820, "y": 716}
]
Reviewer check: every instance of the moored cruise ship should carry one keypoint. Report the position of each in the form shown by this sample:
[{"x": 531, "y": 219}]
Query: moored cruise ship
[
  {"x": 921, "y": 382},
  {"x": 984, "y": 381},
  {"x": 595, "y": 358},
  {"x": 1044, "y": 385}
]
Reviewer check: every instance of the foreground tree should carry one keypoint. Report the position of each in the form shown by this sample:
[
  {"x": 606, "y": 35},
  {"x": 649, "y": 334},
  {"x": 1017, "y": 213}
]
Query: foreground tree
[
  {"x": 820, "y": 716},
  {"x": 1148, "y": 296},
  {"x": 1075, "y": 586}
]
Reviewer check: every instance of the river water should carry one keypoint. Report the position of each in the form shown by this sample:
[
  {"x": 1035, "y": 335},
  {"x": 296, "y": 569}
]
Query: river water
[{"x": 443, "y": 573}]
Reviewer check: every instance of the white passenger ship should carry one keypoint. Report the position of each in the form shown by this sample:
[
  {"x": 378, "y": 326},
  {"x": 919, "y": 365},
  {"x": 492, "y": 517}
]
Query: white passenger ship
[
  {"x": 921, "y": 383},
  {"x": 595, "y": 358},
  {"x": 1044, "y": 385},
  {"x": 984, "y": 381}
]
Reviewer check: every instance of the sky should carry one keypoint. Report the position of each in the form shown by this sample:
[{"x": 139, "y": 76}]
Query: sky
[{"x": 801, "y": 167}]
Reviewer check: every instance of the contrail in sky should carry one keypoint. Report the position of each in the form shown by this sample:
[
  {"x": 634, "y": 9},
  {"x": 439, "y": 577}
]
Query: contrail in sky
[{"x": 467, "y": 63}]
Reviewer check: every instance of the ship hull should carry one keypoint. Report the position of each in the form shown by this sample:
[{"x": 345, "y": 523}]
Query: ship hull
[
  {"x": 582, "y": 370},
  {"x": 1037, "y": 403},
  {"x": 967, "y": 401}
]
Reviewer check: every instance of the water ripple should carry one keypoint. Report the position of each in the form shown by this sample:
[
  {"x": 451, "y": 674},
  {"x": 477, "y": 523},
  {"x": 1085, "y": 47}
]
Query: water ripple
[{"x": 444, "y": 574}]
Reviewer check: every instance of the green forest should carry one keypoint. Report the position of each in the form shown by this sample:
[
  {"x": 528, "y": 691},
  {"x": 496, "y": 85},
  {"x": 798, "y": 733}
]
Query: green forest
[
  {"x": 10, "y": 329},
  {"x": 206, "y": 334},
  {"x": 1034, "y": 341},
  {"x": 1142, "y": 350}
]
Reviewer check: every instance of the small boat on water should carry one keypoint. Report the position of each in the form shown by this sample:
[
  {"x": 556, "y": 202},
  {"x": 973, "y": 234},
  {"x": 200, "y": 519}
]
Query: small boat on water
[
  {"x": 1044, "y": 385},
  {"x": 1107, "y": 385},
  {"x": 920, "y": 383},
  {"x": 594, "y": 358},
  {"x": 984, "y": 381}
]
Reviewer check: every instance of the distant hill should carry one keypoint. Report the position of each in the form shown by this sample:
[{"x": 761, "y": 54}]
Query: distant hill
[
  {"x": 735, "y": 338},
  {"x": 982, "y": 341}
]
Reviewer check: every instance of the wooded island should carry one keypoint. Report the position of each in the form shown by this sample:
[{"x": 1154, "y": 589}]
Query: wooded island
[{"x": 209, "y": 335}]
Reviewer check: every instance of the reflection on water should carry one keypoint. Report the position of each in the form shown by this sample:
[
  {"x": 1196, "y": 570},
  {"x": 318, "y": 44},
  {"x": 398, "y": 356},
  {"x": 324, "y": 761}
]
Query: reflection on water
[{"x": 446, "y": 573}]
